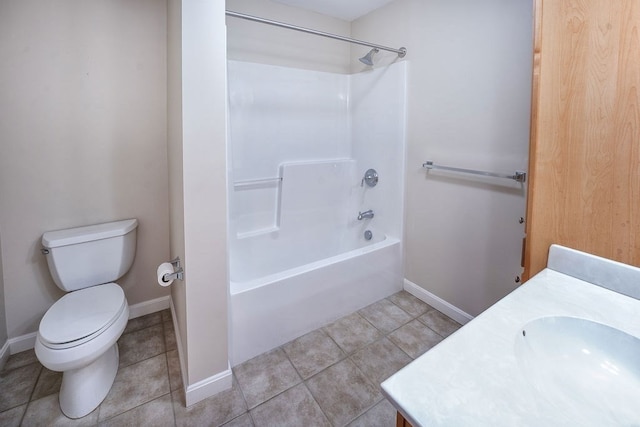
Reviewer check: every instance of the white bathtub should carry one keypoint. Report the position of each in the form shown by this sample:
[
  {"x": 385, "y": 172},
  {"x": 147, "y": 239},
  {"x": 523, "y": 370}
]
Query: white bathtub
[{"x": 278, "y": 307}]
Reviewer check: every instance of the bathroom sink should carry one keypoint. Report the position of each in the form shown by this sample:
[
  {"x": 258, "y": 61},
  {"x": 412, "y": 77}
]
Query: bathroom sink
[{"x": 589, "y": 370}]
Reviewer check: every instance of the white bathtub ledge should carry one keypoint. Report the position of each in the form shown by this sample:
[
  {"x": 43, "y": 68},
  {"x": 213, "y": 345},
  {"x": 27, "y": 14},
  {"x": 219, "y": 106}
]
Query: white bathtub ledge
[{"x": 473, "y": 377}]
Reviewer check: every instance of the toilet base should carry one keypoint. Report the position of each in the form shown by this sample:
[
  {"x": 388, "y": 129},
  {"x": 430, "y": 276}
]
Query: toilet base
[{"x": 83, "y": 389}]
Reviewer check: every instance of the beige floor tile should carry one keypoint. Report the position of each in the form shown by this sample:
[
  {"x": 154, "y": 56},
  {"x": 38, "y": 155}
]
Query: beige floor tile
[
  {"x": 352, "y": 332},
  {"x": 379, "y": 360},
  {"x": 46, "y": 412},
  {"x": 48, "y": 383},
  {"x": 157, "y": 413},
  {"x": 20, "y": 359},
  {"x": 343, "y": 392},
  {"x": 265, "y": 376},
  {"x": 313, "y": 352},
  {"x": 242, "y": 421},
  {"x": 136, "y": 384},
  {"x": 169, "y": 336},
  {"x": 338, "y": 390},
  {"x": 383, "y": 414},
  {"x": 175, "y": 374},
  {"x": 441, "y": 324},
  {"x": 213, "y": 411},
  {"x": 12, "y": 417},
  {"x": 414, "y": 338},
  {"x": 295, "y": 407},
  {"x": 17, "y": 384},
  {"x": 143, "y": 322},
  {"x": 141, "y": 344},
  {"x": 166, "y": 315},
  {"x": 409, "y": 303},
  {"x": 385, "y": 315}
]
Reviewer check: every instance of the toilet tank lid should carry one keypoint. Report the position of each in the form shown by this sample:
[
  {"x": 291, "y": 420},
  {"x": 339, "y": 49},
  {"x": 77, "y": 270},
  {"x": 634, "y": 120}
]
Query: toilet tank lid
[{"x": 72, "y": 236}]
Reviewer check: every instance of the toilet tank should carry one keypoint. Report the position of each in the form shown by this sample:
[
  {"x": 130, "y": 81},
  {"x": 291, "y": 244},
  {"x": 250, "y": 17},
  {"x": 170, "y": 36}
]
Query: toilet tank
[{"x": 87, "y": 256}]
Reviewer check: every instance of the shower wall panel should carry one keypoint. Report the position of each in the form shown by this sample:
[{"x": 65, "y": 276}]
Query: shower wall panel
[
  {"x": 279, "y": 115},
  {"x": 377, "y": 110}
]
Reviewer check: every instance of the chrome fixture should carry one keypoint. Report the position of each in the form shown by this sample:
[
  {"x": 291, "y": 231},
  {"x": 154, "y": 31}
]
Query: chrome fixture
[
  {"x": 518, "y": 176},
  {"x": 178, "y": 274},
  {"x": 401, "y": 52},
  {"x": 365, "y": 215},
  {"x": 370, "y": 177},
  {"x": 368, "y": 58},
  {"x": 368, "y": 235}
]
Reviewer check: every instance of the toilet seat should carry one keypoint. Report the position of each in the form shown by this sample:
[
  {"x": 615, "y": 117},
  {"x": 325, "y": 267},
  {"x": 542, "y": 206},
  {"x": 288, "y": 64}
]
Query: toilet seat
[{"x": 81, "y": 316}]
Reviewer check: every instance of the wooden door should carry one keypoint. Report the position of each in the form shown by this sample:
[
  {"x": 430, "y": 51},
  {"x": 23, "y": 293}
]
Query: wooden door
[{"x": 584, "y": 189}]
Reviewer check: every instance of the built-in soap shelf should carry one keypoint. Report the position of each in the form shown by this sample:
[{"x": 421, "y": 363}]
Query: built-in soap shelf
[
  {"x": 255, "y": 233},
  {"x": 256, "y": 183},
  {"x": 256, "y": 206},
  {"x": 302, "y": 193}
]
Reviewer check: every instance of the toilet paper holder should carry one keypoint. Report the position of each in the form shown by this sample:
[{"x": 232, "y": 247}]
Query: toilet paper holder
[{"x": 178, "y": 274}]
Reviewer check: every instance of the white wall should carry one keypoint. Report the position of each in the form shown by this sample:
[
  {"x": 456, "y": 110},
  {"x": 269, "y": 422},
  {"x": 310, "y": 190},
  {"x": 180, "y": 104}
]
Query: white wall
[
  {"x": 3, "y": 317},
  {"x": 198, "y": 186},
  {"x": 267, "y": 44},
  {"x": 83, "y": 131},
  {"x": 174, "y": 150},
  {"x": 469, "y": 96}
]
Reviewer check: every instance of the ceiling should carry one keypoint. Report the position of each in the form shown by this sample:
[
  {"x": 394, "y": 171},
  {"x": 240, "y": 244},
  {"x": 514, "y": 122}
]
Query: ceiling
[{"x": 347, "y": 10}]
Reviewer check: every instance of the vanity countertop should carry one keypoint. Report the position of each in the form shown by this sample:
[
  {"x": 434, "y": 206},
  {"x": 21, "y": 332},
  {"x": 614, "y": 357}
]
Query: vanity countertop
[{"x": 474, "y": 378}]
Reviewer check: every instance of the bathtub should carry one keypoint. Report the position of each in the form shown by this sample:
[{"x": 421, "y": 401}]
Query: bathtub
[{"x": 279, "y": 298}]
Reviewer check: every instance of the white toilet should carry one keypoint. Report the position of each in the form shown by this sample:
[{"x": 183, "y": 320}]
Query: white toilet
[{"x": 78, "y": 335}]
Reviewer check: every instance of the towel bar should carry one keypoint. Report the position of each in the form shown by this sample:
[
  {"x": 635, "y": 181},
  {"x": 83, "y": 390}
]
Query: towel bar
[{"x": 518, "y": 176}]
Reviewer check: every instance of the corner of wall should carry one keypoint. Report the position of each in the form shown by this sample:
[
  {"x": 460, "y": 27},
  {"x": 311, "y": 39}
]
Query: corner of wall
[
  {"x": 197, "y": 151},
  {"x": 4, "y": 350}
]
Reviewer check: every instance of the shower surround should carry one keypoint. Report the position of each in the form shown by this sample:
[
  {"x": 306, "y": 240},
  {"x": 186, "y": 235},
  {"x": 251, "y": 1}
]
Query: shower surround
[{"x": 300, "y": 142}]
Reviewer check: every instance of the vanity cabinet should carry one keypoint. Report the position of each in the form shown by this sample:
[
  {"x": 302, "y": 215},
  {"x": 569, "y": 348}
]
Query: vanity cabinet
[
  {"x": 584, "y": 171},
  {"x": 402, "y": 421}
]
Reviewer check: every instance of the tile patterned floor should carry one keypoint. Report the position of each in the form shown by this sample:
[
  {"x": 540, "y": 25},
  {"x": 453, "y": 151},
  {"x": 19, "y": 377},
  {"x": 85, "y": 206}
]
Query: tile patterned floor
[{"x": 328, "y": 377}]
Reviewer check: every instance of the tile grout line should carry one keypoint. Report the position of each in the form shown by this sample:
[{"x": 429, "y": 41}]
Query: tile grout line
[
  {"x": 304, "y": 382},
  {"x": 166, "y": 360},
  {"x": 234, "y": 379},
  {"x": 24, "y": 413},
  {"x": 376, "y": 387},
  {"x": 35, "y": 384}
]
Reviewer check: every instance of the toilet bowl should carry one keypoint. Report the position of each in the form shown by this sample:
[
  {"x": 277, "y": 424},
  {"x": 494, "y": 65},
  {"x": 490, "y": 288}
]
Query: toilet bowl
[
  {"x": 82, "y": 344},
  {"x": 78, "y": 334}
]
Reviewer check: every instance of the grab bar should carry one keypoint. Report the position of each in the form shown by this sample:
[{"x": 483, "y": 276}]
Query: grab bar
[
  {"x": 252, "y": 182},
  {"x": 517, "y": 176}
]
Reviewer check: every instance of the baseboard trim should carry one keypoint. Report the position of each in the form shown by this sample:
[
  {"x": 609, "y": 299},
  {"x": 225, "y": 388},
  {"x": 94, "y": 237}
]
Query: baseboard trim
[
  {"x": 4, "y": 354},
  {"x": 148, "y": 307},
  {"x": 203, "y": 389},
  {"x": 22, "y": 343},
  {"x": 208, "y": 387},
  {"x": 438, "y": 303}
]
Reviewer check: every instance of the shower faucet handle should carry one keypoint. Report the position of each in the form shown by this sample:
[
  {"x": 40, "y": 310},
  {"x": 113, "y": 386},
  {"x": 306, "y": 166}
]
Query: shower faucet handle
[{"x": 370, "y": 177}]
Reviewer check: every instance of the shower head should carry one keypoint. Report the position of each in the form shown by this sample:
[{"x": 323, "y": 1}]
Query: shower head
[{"x": 368, "y": 58}]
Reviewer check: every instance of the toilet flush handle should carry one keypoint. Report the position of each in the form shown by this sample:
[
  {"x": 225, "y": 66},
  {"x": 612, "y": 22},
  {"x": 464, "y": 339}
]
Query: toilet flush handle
[{"x": 44, "y": 251}]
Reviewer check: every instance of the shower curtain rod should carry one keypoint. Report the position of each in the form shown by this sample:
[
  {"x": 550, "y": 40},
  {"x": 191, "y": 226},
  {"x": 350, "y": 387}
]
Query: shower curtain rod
[{"x": 401, "y": 52}]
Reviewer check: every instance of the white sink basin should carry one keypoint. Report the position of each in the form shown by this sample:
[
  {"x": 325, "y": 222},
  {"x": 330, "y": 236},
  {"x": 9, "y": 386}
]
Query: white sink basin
[{"x": 589, "y": 370}]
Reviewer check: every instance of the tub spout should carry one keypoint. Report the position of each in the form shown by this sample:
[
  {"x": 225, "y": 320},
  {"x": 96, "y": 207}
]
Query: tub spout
[{"x": 365, "y": 215}]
